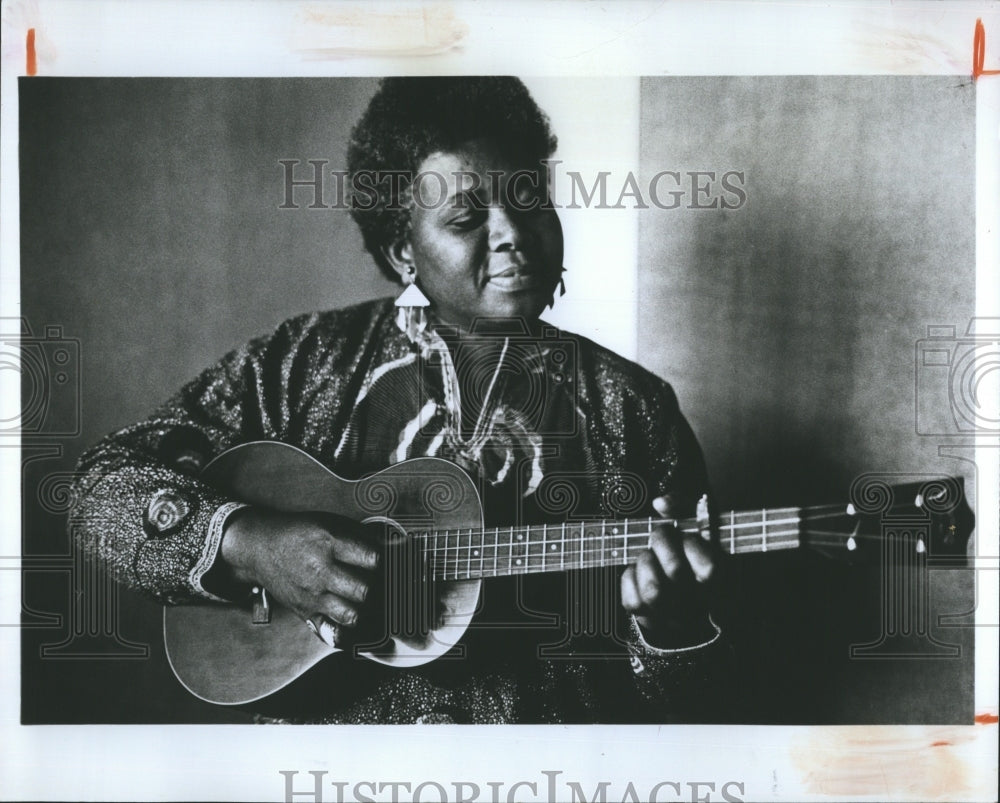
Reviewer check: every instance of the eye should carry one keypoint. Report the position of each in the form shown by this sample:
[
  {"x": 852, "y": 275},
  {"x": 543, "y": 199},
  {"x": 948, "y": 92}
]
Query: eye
[
  {"x": 467, "y": 219},
  {"x": 526, "y": 189}
]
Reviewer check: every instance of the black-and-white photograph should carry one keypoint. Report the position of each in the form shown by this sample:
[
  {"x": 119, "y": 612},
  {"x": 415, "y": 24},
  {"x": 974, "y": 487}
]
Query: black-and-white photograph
[
  {"x": 594, "y": 539},
  {"x": 495, "y": 399}
]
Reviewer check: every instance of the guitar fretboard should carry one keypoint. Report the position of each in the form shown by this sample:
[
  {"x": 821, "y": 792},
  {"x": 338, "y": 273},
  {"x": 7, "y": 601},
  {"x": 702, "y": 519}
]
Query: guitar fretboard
[{"x": 474, "y": 553}]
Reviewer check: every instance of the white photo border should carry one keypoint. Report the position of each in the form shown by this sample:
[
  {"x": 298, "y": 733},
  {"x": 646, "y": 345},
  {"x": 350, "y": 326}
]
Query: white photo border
[{"x": 616, "y": 41}]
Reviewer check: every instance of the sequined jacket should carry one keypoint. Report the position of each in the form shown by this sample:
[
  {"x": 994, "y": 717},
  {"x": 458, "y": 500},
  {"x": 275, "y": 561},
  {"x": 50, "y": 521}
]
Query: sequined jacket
[{"x": 140, "y": 505}]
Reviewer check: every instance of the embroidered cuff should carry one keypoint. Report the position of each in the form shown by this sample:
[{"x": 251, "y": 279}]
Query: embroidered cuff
[
  {"x": 211, "y": 549},
  {"x": 166, "y": 513},
  {"x": 653, "y": 650}
]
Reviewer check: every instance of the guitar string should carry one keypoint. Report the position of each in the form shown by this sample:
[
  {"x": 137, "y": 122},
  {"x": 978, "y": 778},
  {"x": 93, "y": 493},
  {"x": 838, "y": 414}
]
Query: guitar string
[
  {"x": 472, "y": 542},
  {"x": 762, "y": 540},
  {"x": 632, "y": 540},
  {"x": 590, "y": 547},
  {"x": 537, "y": 564},
  {"x": 529, "y": 529},
  {"x": 596, "y": 555}
]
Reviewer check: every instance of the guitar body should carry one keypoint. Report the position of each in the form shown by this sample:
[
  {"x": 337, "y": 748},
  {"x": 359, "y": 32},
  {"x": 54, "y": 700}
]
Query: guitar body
[{"x": 221, "y": 655}]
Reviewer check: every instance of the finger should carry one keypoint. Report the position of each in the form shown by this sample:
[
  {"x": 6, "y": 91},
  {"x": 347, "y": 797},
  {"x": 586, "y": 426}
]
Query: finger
[
  {"x": 665, "y": 506},
  {"x": 347, "y": 582},
  {"x": 700, "y": 557},
  {"x": 673, "y": 506},
  {"x": 338, "y": 609},
  {"x": 324, "y": 629},
  {"x": 668, "y": 546},
  {"x": 649, "y": 578},
  {"x": 630, "y": 590},
  {"x": 355, "y": 552}
]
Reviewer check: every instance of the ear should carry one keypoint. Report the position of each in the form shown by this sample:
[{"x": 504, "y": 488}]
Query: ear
[{"x": 400, "y": 256}]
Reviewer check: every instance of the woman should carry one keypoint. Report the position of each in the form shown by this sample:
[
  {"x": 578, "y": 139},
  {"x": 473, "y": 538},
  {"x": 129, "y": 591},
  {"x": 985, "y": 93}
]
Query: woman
[{"x": 449, "y": 187}]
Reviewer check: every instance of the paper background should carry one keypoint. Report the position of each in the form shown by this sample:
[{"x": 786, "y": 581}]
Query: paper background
[{"x": 632, "y": 39}]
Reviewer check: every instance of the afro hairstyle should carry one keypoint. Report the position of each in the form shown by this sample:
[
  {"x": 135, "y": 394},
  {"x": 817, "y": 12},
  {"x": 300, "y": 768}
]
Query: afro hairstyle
[{"x": 408, "y": 119}]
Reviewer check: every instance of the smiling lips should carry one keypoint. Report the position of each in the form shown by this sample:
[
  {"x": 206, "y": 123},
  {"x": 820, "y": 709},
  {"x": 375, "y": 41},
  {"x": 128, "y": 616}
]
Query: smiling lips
[{"x": 515, "y": 277}]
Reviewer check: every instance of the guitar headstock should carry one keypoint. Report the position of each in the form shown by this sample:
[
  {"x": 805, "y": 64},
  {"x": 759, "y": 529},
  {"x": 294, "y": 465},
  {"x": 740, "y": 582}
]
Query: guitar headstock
[{"x": 930, "y": 517}]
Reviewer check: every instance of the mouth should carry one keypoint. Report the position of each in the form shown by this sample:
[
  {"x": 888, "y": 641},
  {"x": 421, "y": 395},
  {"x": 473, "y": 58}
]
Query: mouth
[{"x": 515, "y": 278}]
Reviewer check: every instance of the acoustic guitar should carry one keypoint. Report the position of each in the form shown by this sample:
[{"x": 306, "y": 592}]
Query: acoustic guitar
[{"x": 236, "y": 654}]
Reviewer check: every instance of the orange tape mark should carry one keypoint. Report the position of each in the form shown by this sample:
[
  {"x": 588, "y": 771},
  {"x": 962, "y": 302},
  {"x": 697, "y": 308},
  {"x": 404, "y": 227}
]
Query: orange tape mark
[
  {"x": 986, "y": 719},
  {"x": 31, "y": 61},
  {"x": 979, "y": 52}
]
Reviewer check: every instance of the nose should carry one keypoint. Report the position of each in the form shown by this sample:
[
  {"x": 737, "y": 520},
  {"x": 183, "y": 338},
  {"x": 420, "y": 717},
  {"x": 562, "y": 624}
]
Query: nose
[{"x": 507, "y": 232}]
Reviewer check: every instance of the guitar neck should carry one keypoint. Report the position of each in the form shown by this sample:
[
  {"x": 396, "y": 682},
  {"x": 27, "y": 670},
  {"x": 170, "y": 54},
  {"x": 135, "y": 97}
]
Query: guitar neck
[{"x": 473, "y": 553}]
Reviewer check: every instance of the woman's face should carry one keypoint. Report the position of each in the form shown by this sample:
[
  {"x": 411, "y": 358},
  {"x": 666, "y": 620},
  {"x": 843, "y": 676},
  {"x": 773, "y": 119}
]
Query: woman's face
[{"x": 481, "y": 246}]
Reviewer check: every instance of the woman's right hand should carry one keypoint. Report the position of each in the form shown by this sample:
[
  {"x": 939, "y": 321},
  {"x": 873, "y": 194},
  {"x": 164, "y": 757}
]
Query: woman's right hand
[{"x": 313, "y": 563}]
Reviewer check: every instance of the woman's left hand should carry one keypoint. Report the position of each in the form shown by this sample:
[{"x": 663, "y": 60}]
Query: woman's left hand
[{"x": 670, "y": 587}]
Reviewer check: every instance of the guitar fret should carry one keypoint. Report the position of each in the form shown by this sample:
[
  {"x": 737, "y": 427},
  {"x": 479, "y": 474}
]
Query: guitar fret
[
  {"x": 604, "y": 527},
  {"x": 624, "y": 541},
  {"x": 562, "y": 548},
  {"x": 740, "y": 521},
  {"x": 545, "y": 538},
  {"x": 511, "y": 557},
  {"x": 742, "y": 525}
]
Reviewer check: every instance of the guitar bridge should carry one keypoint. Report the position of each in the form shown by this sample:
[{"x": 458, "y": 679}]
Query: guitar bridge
[{"x": 261, "y": 607}]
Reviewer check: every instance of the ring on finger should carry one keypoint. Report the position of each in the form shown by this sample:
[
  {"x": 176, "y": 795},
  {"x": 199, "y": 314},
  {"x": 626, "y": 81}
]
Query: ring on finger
[{"x": 323, "y": 629}]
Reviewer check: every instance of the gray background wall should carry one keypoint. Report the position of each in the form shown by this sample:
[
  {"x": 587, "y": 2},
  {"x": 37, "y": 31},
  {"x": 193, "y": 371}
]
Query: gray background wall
[
  {"x": 150, "y": 231},
  {"x": 150, "y": 222},
  {"x": 788, "y": 328}
]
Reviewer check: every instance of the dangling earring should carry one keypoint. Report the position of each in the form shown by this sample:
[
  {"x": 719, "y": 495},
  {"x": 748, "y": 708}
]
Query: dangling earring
[
  {"x": 412, "y": 304},
  {"x": 562, "y": 288}
]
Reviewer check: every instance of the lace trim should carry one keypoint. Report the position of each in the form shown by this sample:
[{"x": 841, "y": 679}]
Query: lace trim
[{"x": 211, "y": 548}]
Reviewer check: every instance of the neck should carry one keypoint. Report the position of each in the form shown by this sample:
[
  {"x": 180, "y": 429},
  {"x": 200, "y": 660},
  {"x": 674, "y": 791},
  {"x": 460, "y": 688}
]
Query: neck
[
  {"x": 485, "y": 330},
  {"x": 474, "y": 553}
]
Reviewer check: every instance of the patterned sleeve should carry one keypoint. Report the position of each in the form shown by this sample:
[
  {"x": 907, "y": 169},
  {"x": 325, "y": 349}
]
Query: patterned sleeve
[
  {"x": 138, "y": 503},
  {"x": 689, "y": 681}
]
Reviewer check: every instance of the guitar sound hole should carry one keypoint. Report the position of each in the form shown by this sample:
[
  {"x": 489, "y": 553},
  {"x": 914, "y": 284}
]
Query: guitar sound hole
[{"x": 404, "y": 603}]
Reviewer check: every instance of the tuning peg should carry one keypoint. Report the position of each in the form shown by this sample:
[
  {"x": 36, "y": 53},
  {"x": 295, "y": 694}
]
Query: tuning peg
[
  {"x": 921, "y": 547},
  {"x": 851, "y": 510},
  {"x": 950, "y": 532},
  {"x": 852, "y": 544}
]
